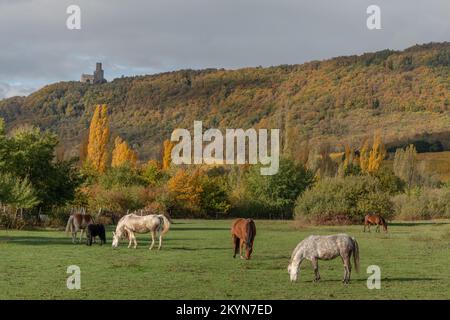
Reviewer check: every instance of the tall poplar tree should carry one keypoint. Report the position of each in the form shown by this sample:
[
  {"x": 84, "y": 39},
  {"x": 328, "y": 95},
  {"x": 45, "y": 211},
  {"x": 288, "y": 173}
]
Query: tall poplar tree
[{"x": 97, "y": 152}]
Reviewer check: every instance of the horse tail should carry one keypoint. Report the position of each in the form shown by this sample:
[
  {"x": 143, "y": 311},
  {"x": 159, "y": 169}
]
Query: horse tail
[
  {"x": 356, "y": 254},
  {"x": 69, "y": 226},
  {"x": 383, "y": 221},
  {"x": 250, "y": 234},
  {"x": 164, "y": 226}
]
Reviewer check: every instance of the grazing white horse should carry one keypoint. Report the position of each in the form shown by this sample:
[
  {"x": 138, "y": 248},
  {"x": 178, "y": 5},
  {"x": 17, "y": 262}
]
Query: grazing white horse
[
  {"x": 132, "y": 223},
  {"x": 316, "y": 248}
]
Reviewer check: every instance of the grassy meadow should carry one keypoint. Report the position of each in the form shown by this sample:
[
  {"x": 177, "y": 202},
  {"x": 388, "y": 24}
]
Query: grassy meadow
[{"x": 196, "y": 263}]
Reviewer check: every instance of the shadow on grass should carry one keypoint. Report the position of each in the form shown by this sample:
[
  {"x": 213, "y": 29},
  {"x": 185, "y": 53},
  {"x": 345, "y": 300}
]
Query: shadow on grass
[
  {"x": 200, "y": 229},
  {"x": 43, "y": 241},
  {"x": 416, "y": 224},
  {"x": 36, "y": 240},
  {"x": 198, "y": 249},
  {"x": 398, "y": 279}
]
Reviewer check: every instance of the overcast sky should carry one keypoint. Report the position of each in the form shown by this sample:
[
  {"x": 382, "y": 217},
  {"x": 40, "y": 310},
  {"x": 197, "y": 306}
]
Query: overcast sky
[{"x": 141, "y": 37}]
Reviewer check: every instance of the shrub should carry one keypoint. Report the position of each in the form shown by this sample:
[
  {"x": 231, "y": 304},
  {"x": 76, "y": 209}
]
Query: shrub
[
  {"x": 345, "y": 199},
  {"x": 421, "y": 204},
  {"x": 199, "y": 193},
  {"x": 120, "y": 199},
  {"x": 122, "y": 176},
  {"x": 276, "y": 194},
  {"x": 389, "y": 182},
  {"x": 185, "y": 189},
  {"x": 151, "y": 172},
  {"x": 214, "y": 197}
]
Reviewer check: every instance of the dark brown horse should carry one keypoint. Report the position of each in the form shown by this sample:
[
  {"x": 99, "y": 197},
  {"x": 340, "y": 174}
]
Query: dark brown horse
[
  {"x": 374, "y": 219},
  {"x": 243, "y": 232}
]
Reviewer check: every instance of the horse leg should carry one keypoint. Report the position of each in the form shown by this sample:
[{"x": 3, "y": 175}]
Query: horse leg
[
  {"x": 130, "y": 239},
  {"x": 74, "y": 236},
  {"x": 241, "y": 248},
  {"x": 160, "y": 242},
  {"x": 315, "y": 264},
  {"x": 235, "y": 245},
  {"x": 81, "y": 234},
  {"x": 153, "y": 240},
  {"x": 135, "y": 241},
  {"x": 378, "y": 228},
  {"x": 347, "y": 269}
]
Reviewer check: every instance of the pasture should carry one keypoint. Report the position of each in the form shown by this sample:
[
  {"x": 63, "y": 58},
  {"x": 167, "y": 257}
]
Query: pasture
[{"x": 196, "y": 263}]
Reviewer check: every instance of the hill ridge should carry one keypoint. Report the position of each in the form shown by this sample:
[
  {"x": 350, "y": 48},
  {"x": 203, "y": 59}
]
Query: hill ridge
[{"x": 404, "y": 94}]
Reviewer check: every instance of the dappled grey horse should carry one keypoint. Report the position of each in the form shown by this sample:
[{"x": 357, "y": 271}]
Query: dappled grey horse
[{"x": 316, "y": 248}]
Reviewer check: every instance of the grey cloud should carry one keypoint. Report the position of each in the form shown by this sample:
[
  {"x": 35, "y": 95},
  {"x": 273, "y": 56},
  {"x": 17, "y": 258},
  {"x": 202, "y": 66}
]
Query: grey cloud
[
  {"x": 7, "y": 90},
  {"x": 133, "y": 36}
]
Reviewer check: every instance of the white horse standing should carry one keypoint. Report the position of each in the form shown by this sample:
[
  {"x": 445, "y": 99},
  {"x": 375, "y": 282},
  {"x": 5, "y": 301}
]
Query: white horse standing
[
  {"x": 132, "y": 223},
  {"x": 316, "y": 248}
]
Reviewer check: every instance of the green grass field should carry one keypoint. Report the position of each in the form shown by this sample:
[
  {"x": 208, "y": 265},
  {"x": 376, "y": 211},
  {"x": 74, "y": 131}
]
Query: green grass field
[{"x": 196, "y": 263}]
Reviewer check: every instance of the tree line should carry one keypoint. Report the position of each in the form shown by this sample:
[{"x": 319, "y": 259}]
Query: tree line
[{"x": 316, "y": 184}]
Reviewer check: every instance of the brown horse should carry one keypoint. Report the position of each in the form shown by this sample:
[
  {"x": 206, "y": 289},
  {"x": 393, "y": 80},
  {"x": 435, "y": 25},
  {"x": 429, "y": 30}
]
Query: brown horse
[
  {"x": 374, "y": 219},
  {"x": 78, "y": 222},
  {"x": 243, "y": 231}
]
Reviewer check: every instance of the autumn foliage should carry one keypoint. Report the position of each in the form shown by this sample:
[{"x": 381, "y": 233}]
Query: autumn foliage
[
  {"x": 167, "y": 154},
  {"x": 97, "y": 151},
  {"x": 186, "y": 188},
  {"x": 370, "y": 159},
  {"x": 123, "y": 154}
]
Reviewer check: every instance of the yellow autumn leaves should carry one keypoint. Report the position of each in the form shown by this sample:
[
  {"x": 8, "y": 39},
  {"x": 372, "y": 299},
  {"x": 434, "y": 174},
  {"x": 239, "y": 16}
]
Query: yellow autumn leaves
[
  {"x": 370, "y": 157},
  {"x": 370, "y": 160},
  {"x": 97, "y": 152},
  {"x": 97, "y": 148},
  {"x": 123, "y": 154},
  {"x": 167, "y": 154}
]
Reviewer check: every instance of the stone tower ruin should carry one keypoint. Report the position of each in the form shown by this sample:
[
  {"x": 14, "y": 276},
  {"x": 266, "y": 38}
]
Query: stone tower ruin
[{"x": 96, "y": 78}]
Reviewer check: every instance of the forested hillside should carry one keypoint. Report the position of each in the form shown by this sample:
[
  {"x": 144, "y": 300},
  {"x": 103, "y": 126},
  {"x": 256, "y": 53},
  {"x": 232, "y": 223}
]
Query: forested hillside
[{"x": 404, "y": 94}]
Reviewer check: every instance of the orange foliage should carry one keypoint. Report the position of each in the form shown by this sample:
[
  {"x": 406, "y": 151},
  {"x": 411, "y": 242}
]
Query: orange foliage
[{"x": 186, "y": 188}]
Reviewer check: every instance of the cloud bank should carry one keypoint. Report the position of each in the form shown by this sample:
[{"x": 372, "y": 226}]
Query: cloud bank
[{"x": 139, "y": 37}]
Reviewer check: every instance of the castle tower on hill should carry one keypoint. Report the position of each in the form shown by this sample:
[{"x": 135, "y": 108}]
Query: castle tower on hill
[{"x": 96, "y": 78}]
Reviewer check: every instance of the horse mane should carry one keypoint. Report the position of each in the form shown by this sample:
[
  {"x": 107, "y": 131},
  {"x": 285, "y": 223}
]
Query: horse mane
[{"x": 120, "y": 223}]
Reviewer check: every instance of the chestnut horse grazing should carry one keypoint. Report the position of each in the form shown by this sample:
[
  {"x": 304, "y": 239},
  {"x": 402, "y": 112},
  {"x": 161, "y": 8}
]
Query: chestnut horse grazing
[
  {"x": 374, "y": 219},
  {"x": 78, "y": 222},
  {"x": 243, "y": 232}
]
